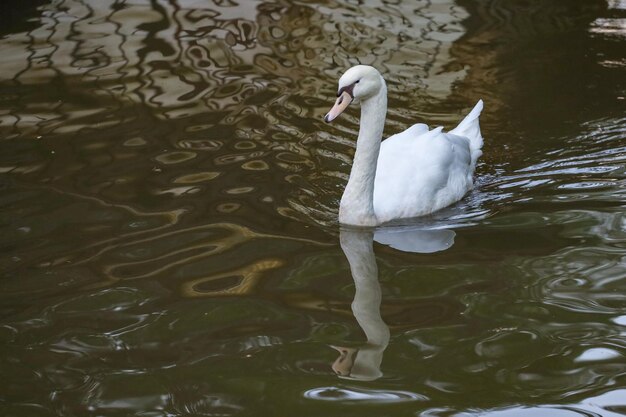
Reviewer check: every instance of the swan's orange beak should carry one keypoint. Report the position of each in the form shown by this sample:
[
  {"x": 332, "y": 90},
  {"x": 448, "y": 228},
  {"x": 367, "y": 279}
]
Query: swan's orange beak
[{"x": 342, "y": 103}]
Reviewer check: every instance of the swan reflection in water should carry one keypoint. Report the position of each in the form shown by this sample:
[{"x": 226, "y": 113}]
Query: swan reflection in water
[{"x": 363, "y": 363}]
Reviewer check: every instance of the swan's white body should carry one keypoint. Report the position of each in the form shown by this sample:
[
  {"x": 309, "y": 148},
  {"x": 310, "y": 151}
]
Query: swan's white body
[
  {"x": 412, "y": 173},
  {"x": 420, "y": 171}
]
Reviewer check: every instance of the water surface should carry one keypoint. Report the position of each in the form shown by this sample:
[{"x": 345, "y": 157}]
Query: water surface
[{"x": 169, "y": 195}]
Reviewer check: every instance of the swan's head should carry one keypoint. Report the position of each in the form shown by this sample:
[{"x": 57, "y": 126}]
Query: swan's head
[{"x": 358, "y": 83}]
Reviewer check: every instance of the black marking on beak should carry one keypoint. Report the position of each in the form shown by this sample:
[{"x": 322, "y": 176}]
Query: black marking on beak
[{"x": 348, "y": 89}]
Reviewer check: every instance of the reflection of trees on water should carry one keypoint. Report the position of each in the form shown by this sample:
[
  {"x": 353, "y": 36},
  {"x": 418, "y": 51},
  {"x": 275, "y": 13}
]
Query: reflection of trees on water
[
  {"x": 184, "y": 58},
  {"x": 257, "y": 70},
  {"x": 163, "y": 56},
  {"x": 183, "y": 107},
  {"x": 186, "y": 108}
]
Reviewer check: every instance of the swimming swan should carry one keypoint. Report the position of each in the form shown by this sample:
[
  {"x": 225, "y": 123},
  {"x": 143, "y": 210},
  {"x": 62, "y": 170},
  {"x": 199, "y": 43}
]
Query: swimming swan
[{"x": 410, "y": 174}]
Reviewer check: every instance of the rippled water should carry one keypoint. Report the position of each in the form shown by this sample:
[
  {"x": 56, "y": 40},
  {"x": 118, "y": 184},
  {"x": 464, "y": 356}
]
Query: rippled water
[{"x": 169, "y": 196}]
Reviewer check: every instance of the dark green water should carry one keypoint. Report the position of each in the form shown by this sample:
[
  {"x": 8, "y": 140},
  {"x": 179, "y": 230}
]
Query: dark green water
[{"x": 168, "y": 194}]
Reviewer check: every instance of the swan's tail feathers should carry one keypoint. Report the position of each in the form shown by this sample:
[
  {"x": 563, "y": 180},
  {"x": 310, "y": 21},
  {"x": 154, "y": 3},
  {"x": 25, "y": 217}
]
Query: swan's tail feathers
[{"x": 470, "y": 128}]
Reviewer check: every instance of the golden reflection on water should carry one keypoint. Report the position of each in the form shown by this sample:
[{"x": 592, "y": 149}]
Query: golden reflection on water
[
  {"x": 220, "y": 237},
  {"x": 110, "y": 68}
]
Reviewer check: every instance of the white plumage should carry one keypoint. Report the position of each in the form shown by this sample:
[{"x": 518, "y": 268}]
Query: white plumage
[{"x": 412, "y": 173}]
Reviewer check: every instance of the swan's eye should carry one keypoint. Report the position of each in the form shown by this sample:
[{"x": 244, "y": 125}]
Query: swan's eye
[{"x": 357, "y": 81}]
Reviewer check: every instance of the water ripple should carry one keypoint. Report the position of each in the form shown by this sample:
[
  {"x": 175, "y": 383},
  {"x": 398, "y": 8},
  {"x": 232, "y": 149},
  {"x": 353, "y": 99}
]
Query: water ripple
[{"x": 353, "y": 394}]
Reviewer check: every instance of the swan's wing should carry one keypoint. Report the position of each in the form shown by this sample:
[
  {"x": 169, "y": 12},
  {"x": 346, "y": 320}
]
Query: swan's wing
[
  {"x": 417, "y": 175},
  {"x": 416, "y": 130},
  {"x": 413, "y": 133}
]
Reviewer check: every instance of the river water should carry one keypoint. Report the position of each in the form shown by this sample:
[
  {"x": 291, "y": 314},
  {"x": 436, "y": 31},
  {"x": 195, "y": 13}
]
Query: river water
[{"x": 169, "y": 194}]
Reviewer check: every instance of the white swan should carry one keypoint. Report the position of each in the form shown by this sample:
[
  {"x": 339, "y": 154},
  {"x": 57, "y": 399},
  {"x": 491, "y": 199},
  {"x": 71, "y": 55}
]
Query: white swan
[{"x": 412, "y": 173}]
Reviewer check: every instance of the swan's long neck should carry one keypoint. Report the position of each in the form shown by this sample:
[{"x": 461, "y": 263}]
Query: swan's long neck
[{"x": 357, "y": 202}]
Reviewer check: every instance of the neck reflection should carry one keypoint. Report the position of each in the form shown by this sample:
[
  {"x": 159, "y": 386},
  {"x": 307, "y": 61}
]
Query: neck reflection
[{"x": 363, "y": 362}]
